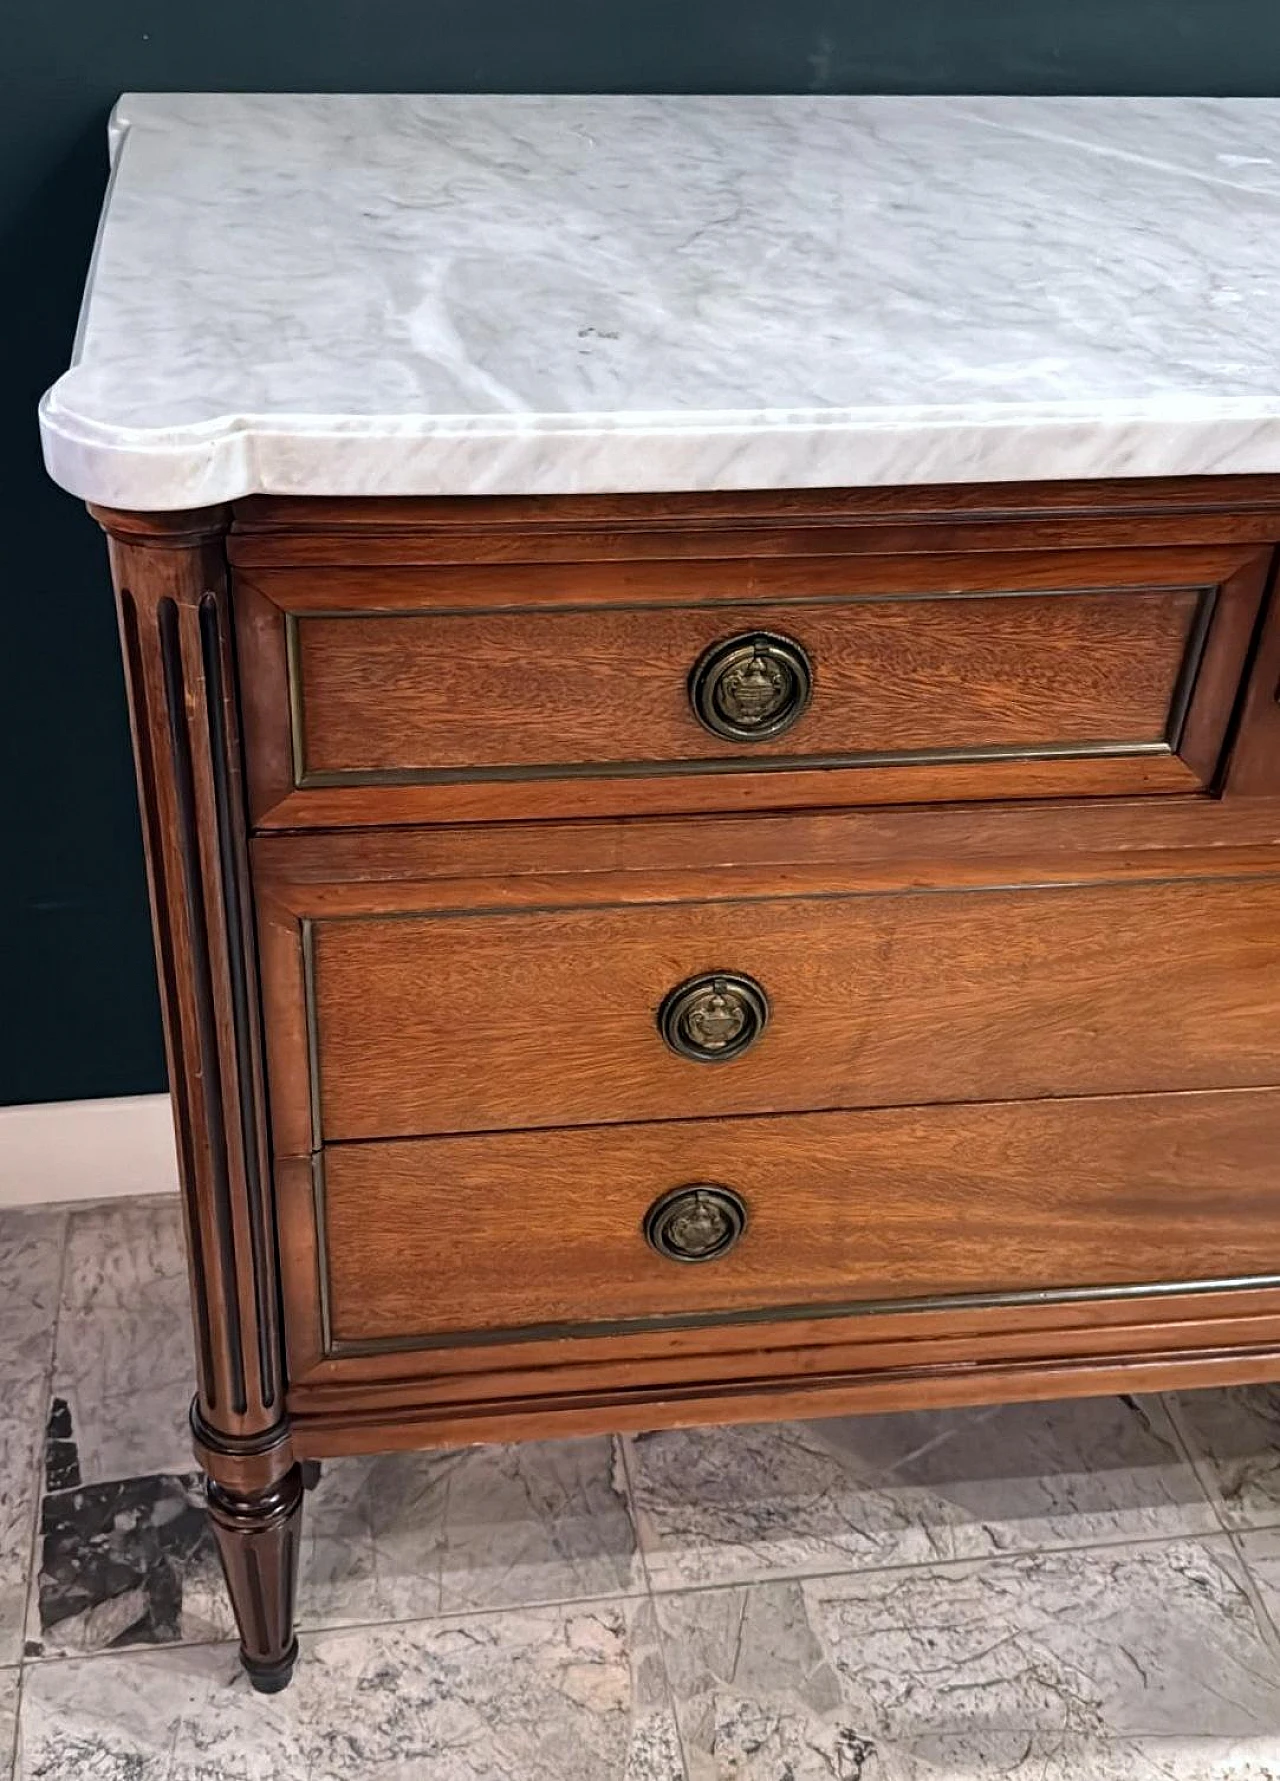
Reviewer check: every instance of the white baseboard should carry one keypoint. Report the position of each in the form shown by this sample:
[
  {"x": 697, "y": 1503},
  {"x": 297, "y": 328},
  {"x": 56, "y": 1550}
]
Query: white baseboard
[{"x": 87, "y": 1150}]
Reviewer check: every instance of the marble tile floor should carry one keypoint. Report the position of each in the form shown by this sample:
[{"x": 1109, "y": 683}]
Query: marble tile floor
[{"x": 1069, "y": 1592}]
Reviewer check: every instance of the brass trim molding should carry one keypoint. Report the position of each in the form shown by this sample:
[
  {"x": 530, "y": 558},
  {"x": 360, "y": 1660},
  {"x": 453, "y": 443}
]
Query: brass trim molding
[{"x": 426, "y": 1342}]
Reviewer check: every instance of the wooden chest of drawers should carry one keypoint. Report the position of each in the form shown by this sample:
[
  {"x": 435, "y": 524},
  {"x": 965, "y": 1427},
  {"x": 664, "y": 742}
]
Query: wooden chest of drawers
[{"x": 636, "y": 961}]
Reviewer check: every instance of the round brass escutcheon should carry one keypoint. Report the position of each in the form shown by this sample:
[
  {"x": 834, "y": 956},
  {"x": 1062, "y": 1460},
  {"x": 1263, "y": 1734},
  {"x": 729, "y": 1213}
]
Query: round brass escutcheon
[
  {"x": 696, "y": 1223},
  {"x": 751, "y": 687},
  {"x": 713, "y": 1017}
]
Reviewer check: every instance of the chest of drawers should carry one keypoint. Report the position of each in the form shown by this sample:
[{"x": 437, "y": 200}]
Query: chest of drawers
[
  {"x": 791, "y": 937},
  {"x": 550, "y": 1055}
]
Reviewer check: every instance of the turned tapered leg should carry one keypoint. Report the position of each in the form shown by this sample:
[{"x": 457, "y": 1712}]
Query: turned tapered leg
[
  {"x": 257, "y": 1539},
  {"x": 175, "y": 628}
]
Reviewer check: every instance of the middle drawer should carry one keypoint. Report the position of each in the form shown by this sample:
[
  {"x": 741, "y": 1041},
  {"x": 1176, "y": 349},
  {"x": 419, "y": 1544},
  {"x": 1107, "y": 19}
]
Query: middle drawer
[{"x": 424, "y": 1023}]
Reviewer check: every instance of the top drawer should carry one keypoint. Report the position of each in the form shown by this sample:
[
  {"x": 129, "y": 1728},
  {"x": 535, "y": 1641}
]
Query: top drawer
[{"x": 439, "y": 694}]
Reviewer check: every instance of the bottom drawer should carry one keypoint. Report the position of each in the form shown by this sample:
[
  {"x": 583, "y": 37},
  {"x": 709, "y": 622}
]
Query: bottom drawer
[{"x": 586, "y": 1229}]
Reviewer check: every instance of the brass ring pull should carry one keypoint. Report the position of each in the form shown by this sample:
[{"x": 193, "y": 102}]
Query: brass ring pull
[
  {"x": 696, "y": 1223},
  {"x": 713, "y": 1017},
  {"x": 751, "y": 687}
]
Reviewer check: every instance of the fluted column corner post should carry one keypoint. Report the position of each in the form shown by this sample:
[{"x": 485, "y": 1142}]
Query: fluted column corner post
[{"x": 171, "y": 583}]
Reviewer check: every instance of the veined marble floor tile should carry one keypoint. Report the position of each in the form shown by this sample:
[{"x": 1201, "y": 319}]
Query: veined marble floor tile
[
  {"x": 127, "y": 1563},
  {"x": 794, "y": 1499},
  {"x": 1260, "y": 1549},
  {"x": 31, "y": 1254},
  {"x": 1102, "y": 1665},
  {"x": 405, "y": 1535},
  {"x": 21, "y": 1419},
  {"x": 124, "y": 1364},
  {"x": 569, "y": 1694},
  {"x": 8, "y": 1720},
  {"x": 1236, "y": 1435},
  {"x": 543, "y": 1521},
  {"x": 123, "y": 1253},
  {"x": 127, "y": 1379}
]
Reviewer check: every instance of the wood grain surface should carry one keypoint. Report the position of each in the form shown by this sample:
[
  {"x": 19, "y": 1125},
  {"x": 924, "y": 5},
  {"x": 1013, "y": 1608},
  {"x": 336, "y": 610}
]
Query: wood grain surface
[
  {"x": 529, "y": 1229},
  {"x": 553, "y": 689},
  {"x": 462, "y": 1022}
]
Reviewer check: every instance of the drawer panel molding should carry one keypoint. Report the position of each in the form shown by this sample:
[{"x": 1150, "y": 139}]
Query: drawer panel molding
[{"x": 1117, "y": 673}]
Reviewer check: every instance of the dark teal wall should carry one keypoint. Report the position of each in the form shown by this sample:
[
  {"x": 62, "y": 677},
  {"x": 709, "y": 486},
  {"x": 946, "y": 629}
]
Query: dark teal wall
[{"x": 78, "y": 1008}]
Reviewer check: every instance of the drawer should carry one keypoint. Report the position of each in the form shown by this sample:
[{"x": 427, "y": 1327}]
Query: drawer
[
  {"x": 425, "y": 695},
  {"x": 560, "y": 1230},
  {"x": 416, "y": 1022}
]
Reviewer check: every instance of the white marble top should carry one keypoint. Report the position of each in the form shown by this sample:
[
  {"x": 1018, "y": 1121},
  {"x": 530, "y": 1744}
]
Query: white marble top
[{"x": 465, "y": 295}]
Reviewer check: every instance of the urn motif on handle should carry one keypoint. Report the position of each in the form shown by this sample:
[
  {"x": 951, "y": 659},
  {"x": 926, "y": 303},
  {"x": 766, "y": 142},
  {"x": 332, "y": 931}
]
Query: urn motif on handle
[{"x": 751, "y": 687}]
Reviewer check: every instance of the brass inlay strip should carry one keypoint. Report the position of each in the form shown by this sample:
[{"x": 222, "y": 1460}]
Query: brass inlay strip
[
  {"x": 308, "y": 941},
  {"x": 1197, "y": 642},
  {"x": 293, "y": 696},
  {"x": 686, "y": 768},
  {"x": 793, "y": 1313},
  {"x": 323, "y": 1285}
]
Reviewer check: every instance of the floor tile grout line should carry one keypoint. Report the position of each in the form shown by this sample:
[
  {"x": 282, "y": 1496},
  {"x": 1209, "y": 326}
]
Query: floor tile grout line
[
  {"x": 130, "y": 1653},
  {"x": 1268, "y": 1625},
  {"x": 543, "y": 1605},
  {"x": 1200, "y": 1462},
  {"x": 31, "y": 1575},
  {"x": 623, "y": 1447},
  {"x": 1205, "y": 1500},
  {"x": 63, "y": 1271},
  {"x": 323, "y": 1629},
  {"x": 49, "y": 1659},
  {"x": 1007, "y": 1557},
  {"x": 1197, "y": 1460}
]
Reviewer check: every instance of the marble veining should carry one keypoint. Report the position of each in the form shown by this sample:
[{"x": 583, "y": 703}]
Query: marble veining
[
  {"x": 862, "y": 1493},
  {"x": 1114, "y": 1663},
  {"x": 1235, "y": 1437},
  {"x": 127, "y": 1563},
  {"x": 401, "y": 1535},
  {"x": 404, "y": 295},
  {"x": 8, "y": 1719},
  {"x": 21, "y": 1407},
  {"x": 31, "y": 1258},
  {"x": 124, "y": 1362},
  {"x": 557, "y": 1694}
]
